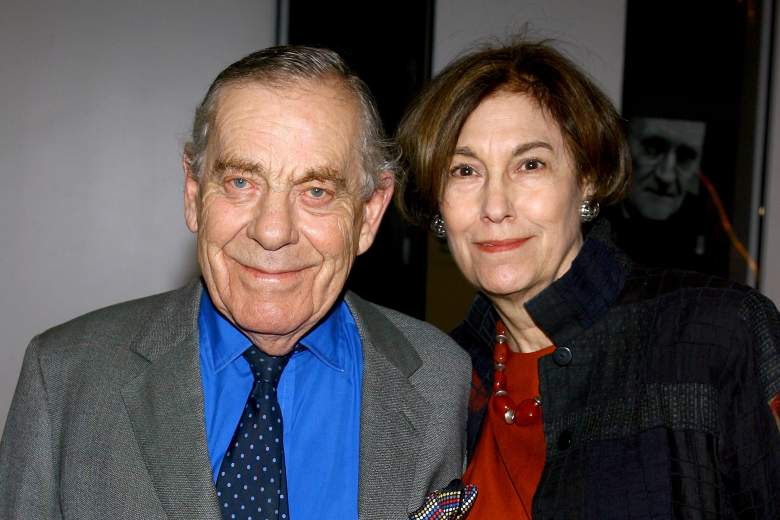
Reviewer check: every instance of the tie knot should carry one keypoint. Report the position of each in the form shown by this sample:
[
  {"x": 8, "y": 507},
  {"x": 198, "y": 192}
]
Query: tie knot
[{"x": 265, "y": 368}]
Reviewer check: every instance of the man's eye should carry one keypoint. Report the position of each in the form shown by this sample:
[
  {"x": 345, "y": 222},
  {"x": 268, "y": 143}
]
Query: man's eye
[
  {"x": 685, "y": 155},
  {"x": 654, "y": 146},
  {"x": 240, "y": 183},
  {"x": 318, "y": 195}
]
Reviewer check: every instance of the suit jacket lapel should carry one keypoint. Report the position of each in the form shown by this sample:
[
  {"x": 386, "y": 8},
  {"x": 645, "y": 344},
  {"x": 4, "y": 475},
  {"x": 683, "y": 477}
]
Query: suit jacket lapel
[
  {"x": 165, "y": 405},
  {"x": 393, "y": 414}
]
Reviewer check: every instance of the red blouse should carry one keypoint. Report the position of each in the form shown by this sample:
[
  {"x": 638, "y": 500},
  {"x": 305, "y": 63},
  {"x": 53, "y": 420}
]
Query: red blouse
[{"x": 509, "y": 459}]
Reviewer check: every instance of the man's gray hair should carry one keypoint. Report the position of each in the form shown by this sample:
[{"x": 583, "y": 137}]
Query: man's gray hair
[{"x": 277, "y": 66}]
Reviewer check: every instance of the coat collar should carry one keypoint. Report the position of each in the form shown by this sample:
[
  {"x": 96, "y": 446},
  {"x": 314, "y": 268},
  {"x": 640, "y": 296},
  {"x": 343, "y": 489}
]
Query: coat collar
[
  {"x": 170, "y": 323},
  {"x": 584, "y": 294},
  {"x": 165, "y": 406},
  {"x": 394, "y": 415},
  {"x": 574, "y": 302},
  {"x": 382, "y": 336}
]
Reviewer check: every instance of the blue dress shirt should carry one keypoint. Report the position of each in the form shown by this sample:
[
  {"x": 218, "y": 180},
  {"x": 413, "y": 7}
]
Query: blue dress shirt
[{"x": 319, "y": 395}]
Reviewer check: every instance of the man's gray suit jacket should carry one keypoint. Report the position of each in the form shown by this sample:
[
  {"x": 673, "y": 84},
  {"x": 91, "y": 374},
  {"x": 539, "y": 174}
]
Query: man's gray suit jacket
[{"x": 107, "y": 419}]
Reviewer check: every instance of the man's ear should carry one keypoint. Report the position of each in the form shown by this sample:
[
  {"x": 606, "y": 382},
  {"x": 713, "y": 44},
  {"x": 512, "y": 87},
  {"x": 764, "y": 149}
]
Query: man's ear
[
  {"x": 191, "y": 195},
  {"x": 373, "y": 210}
]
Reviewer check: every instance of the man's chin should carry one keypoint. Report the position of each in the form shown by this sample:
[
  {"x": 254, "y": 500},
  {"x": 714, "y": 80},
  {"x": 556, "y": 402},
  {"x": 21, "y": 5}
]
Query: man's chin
[
  {"x": 267, "y": 318},
  {"x": 275, "y": 339},
  {"x": 273, "y": 320},
  {"x": 656, "y": 208}
]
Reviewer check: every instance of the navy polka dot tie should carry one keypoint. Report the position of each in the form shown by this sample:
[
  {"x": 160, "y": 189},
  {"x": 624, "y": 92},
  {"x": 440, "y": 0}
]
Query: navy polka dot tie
[{"x": 251, "y": 484}]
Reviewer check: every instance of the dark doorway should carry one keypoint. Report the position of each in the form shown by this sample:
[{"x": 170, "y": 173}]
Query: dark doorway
[{"x": 388, "y": 44}]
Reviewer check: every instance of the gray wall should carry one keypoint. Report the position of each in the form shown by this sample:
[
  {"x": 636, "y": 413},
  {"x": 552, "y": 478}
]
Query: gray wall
[
  {"x": 96, "y": 99},
  {"x": 770, "y": 274},
  {"x": 592, "y": 33}
]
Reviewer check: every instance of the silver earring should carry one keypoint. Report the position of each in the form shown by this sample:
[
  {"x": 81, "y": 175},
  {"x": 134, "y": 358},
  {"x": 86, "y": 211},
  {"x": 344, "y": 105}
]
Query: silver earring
[
  {"x": 589, "y": 210},
  {"x": 437, "y": 226}
]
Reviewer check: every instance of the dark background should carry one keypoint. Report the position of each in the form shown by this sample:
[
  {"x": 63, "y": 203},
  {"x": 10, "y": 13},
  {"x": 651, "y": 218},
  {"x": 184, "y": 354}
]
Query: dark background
[
  {"x": 683, "y": 60},
  {"x": 388, "y": 44},
  {"x": 699, "y": 61}
]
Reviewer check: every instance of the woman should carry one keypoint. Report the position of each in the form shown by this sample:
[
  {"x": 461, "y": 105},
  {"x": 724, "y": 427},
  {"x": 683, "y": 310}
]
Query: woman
[{"x": 601, "y": 389}]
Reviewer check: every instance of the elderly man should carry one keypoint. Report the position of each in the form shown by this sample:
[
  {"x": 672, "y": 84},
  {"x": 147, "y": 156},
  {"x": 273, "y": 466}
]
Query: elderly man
[
  {"x": 262, "y": 391},
  {"x": 667, "y": 157},
  {"x": 669, "y": 220}
]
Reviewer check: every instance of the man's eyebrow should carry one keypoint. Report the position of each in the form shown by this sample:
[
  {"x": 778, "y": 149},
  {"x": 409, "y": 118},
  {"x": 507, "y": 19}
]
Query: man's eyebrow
[
  {"x": 332, "y": 175},
  {"x": 224, "y": 164}
]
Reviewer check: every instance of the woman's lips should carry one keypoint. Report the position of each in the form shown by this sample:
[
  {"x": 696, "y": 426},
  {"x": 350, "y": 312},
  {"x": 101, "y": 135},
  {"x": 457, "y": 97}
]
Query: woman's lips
[{"x": 499, "y": 246}]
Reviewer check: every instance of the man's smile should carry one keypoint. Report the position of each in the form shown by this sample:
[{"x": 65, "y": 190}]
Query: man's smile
[{"x": 278, "y": 275}]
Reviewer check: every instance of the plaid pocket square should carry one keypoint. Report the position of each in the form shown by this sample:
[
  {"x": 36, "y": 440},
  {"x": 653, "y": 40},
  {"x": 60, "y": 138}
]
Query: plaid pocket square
[{"x": 450, "y": 503}]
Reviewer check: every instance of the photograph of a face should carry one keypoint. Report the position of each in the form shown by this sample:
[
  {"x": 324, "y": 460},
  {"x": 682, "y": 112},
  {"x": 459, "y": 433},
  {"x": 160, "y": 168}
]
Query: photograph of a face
[
  {"x": 668, "y": 218},
  {"x": 695, "y": 138},
  {"x": 666, "y": 157}
]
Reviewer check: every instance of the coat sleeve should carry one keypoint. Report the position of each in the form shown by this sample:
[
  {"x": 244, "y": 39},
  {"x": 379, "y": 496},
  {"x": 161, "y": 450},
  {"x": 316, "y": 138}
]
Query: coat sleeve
[
  {"x": 750, "y": 408},
  {"x": 28, "y": 480}
]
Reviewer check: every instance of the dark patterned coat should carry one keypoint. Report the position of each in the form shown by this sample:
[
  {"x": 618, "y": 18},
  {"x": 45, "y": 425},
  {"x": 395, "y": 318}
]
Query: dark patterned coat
[{"x": 658, "y": 399}]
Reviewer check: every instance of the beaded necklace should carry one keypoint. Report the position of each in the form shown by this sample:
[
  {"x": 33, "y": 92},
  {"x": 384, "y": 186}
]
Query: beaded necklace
[{"x": 529, "y": 411}]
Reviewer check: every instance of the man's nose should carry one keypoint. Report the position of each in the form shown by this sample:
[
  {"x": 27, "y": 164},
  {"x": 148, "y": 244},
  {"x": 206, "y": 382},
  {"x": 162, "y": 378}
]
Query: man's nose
[
  {"x": 273, "y": 226},
  {"x": 666, "y": 168}
]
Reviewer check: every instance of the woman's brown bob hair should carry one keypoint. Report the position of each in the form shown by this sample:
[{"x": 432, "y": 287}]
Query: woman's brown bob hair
[{"x": 591, "y": 127}]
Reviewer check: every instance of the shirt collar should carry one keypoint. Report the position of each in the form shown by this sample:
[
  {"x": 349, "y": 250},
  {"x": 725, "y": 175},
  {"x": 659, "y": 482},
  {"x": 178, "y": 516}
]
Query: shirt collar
[
  {"x": 326, "y": 338},
  {"x": 224, "y": 342}
]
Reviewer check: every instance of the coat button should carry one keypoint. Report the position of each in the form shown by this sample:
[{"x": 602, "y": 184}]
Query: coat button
[
  {"x": 564, "y": 440},
  {"x": 562, "y": 356}
]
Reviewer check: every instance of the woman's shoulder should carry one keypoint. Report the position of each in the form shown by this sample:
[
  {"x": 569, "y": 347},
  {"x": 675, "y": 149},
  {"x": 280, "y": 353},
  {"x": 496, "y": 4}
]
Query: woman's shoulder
[
  {"x": 701, "y": 300},
  {"x": 699, "y": 309}
]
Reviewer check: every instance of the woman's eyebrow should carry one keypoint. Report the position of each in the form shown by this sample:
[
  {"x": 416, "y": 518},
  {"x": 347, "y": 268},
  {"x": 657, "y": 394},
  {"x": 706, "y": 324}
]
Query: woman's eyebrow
[
  {"x": 525, "y": 147},
  {"x": 465, "y": 150},
  {"x": 519, "y": 149}
]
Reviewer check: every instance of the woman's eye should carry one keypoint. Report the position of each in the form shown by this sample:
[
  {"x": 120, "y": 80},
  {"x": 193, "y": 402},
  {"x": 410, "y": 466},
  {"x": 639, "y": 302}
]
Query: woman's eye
[
  {"x": 463, "y": 170},
  {"x": 533, "y": 164},
  {"x": 316, "y": 193},
  {"x": 240, "y": 183}
]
